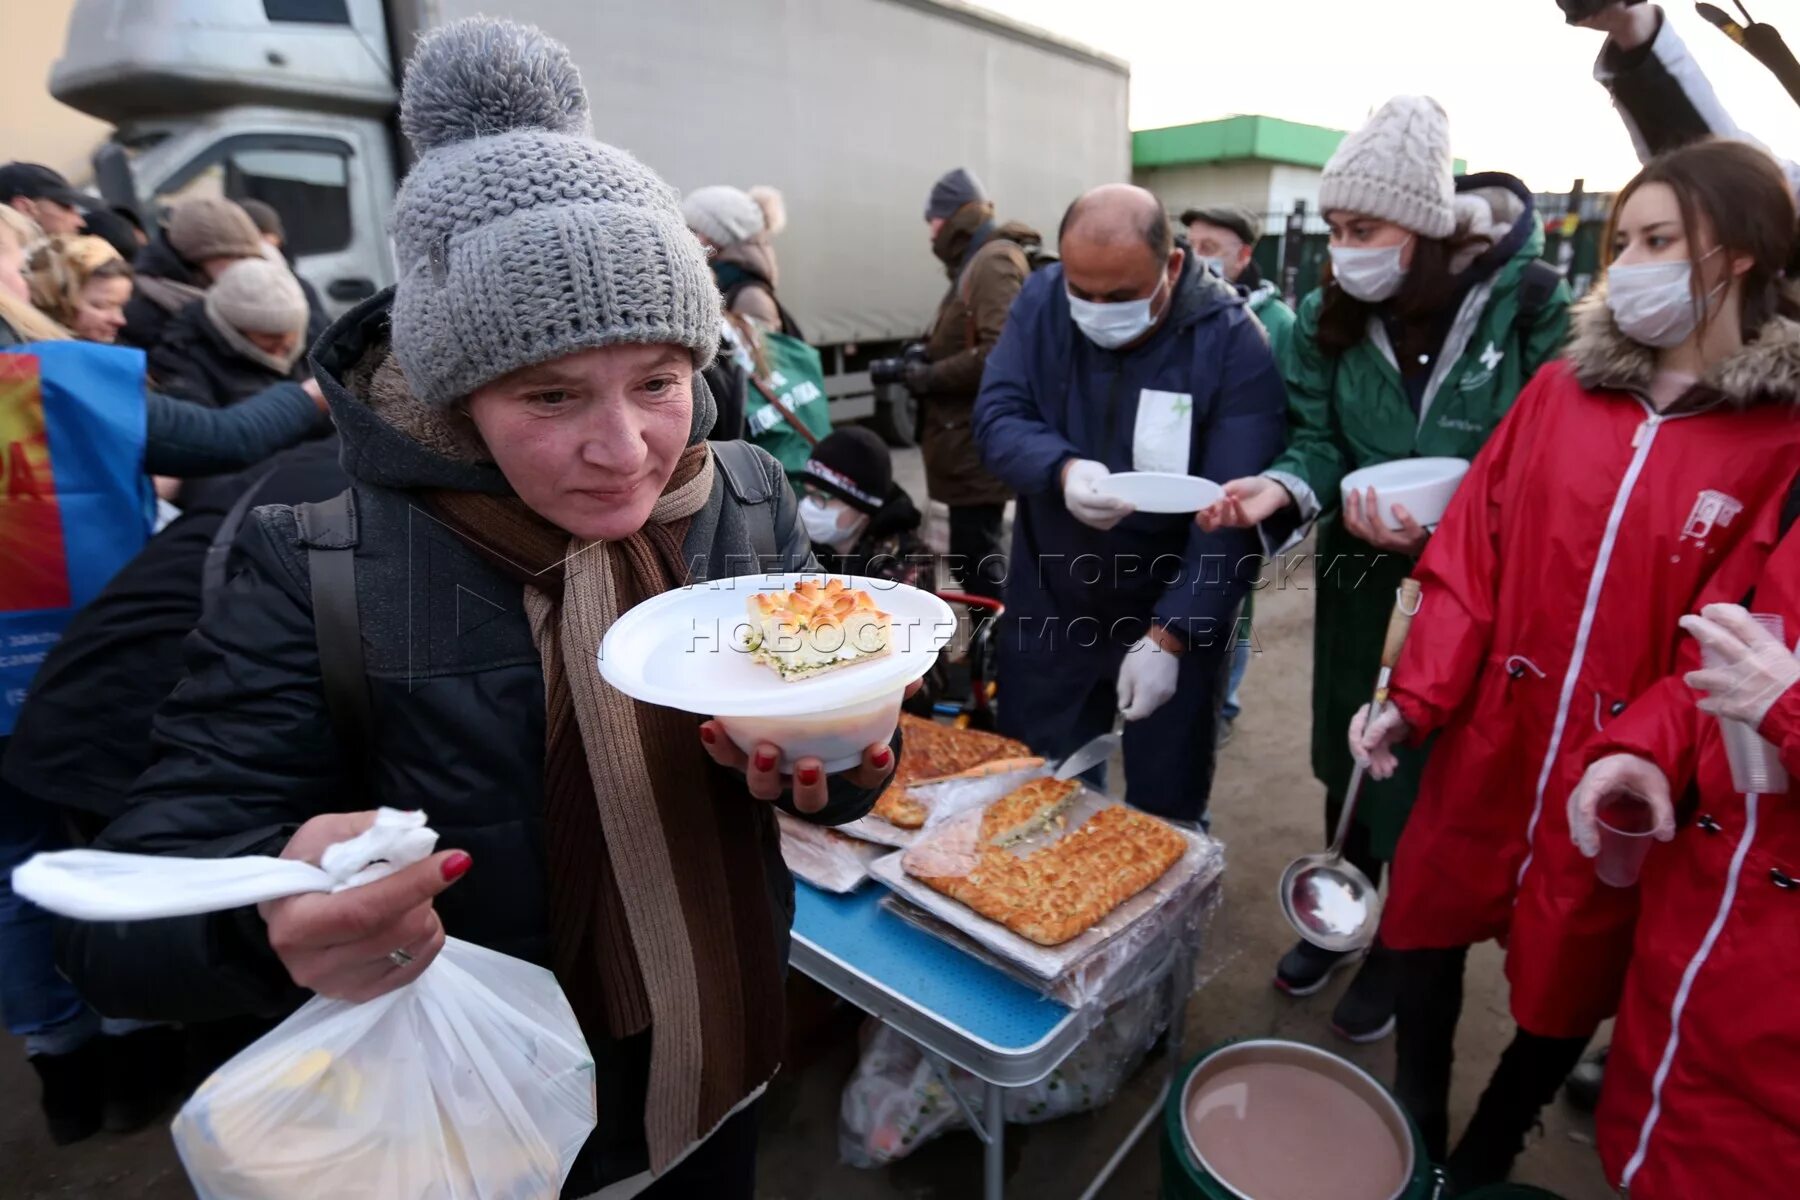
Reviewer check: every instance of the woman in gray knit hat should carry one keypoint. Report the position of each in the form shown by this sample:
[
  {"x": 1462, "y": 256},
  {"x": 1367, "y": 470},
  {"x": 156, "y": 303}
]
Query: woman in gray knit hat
[
  {"x": 522, "y": 419},
  {"x": 1434, "y": 314}
]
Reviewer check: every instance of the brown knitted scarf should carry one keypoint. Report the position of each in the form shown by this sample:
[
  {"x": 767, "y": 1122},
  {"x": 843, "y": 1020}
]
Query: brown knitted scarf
[{"x": 659, "y": 905}]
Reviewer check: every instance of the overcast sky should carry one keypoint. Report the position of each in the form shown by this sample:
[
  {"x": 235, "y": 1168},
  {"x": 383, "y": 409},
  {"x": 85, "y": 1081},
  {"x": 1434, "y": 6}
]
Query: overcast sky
[{"x": 1517, "y": 83}]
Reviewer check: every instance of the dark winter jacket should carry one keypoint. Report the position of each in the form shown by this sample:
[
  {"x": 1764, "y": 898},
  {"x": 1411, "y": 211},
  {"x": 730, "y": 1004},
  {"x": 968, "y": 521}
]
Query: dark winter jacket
[
  {"x": 185, "y": 439},
  {"x": 195, "y": 362},
  {"x": 245, "y": 750},
  {"x": 83, "y": 736},
  {"x": 1201, "y": 396},
  {"x": 987, "y": 265},
  {"x": 165, "y": 284}
]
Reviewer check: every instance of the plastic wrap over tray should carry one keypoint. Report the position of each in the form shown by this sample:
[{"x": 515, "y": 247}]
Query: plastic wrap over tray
[
  {"x": 824, "y": 857},
  {"x": 943, "y": 799},
  {"x": 1082, "y": 967}
]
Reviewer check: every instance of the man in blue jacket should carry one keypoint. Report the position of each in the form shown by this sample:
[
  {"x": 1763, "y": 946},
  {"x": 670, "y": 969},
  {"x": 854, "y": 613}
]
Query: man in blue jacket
[{"x": 1128, "y": 356}]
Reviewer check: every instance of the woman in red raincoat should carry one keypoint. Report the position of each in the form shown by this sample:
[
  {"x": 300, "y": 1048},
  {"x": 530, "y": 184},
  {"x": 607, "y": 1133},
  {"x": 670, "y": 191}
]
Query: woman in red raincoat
[
  {"x": 1702, "y": 1094},
  {"x": 1626, "y": 477}
]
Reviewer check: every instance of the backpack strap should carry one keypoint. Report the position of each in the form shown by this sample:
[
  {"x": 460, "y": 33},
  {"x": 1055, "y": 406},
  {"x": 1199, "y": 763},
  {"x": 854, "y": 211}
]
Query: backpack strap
[
  {"x": 218, "y": 551},
  {"x": 749, "y": 485},
  {"x": 328, "y": 531}
]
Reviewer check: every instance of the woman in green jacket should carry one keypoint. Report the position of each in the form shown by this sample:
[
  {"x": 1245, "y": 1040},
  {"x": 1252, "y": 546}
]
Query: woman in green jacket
[{"x": 1435, "y": 313}]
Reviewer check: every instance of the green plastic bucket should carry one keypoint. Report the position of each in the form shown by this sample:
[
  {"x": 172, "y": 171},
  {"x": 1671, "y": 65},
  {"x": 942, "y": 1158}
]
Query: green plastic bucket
[{"x": 1185, "y": 1178}]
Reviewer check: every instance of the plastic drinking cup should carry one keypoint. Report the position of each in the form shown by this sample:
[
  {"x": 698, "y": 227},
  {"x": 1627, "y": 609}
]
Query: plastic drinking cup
[
  {"x": 1755, "y": 765},
  {"x": 1626, "y": 826}
]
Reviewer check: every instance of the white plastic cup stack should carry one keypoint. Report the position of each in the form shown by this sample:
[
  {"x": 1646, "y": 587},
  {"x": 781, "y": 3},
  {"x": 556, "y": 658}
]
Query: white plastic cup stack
[{"x": 1755, "y": 765}]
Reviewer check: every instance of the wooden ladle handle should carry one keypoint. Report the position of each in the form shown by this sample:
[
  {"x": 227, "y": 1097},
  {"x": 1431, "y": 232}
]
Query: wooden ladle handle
[{"x": 1406, "y": 603}]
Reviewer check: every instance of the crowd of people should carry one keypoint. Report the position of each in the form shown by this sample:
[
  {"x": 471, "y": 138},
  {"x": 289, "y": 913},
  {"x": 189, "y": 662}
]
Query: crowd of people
[{"x": 1635, "y": 476}]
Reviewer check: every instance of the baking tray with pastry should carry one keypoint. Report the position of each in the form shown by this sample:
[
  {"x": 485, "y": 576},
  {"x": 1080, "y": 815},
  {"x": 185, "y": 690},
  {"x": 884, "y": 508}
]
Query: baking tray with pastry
[
  {"x": 943, "y": 770},
  {"x": 1052, "y": 872}
]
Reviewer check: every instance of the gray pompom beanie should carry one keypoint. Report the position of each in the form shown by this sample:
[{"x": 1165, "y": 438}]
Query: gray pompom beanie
[
  {"x": 520, "y": 238},
  {"x": 1397, "y": 167}
]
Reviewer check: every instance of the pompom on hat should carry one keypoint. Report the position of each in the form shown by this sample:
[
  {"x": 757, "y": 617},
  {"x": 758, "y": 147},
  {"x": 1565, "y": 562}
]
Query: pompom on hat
[
  {"x": 1398, "y": 167},
  {"x": 520, "y": 238}
]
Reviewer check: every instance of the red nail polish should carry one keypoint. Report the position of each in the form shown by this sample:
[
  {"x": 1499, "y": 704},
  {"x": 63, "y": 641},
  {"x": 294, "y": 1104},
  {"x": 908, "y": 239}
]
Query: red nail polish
[
  {"x": 883, "y": 757},
  {"x": 708, "y": 734},
  {"x": 456, "y": 866},
  {"x": 765, "y": 761},
  {"x": 808, "y": 775}
]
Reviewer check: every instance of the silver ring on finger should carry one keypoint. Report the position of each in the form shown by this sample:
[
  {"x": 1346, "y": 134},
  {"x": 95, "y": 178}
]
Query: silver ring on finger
[{"x": 400, "y": 958}]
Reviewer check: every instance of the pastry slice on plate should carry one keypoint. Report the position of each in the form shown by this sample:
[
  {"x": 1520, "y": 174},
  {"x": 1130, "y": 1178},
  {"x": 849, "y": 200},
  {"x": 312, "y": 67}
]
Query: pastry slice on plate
[{"x": 814, "y": 628}]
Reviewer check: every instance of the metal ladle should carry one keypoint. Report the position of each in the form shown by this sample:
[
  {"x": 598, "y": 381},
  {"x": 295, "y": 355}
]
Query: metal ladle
[{"x": 1328, "y": 900}]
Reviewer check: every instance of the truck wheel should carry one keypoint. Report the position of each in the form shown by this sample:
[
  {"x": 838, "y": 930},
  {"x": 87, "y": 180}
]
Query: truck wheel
[{"x": 896, "y": 417}]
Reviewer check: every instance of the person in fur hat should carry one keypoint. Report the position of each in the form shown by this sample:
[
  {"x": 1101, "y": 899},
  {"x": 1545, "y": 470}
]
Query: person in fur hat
[
  {"x": 1644, "y": 471},
  {"x": 738, "y": 229}
]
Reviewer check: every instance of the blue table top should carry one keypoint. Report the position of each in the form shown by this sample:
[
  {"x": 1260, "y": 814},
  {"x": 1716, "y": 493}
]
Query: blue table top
[{"x": 924, "y": 970}]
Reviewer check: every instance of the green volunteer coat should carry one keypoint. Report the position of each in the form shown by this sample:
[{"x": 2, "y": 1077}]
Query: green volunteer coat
[{"x": 1352, "y": 411}]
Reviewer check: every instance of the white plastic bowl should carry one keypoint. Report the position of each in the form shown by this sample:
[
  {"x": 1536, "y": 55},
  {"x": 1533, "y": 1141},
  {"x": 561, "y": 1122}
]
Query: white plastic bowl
[
  {"x": 683, "y": 650},
  {"x": 837, "y": 738},
  {"x": 1423, "y": 485}
]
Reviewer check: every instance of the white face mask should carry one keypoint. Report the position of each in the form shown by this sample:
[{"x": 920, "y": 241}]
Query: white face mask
[
  {"x": 1653, "y": 303},
  {"x": 824, "y": 520},
  {"x": 1215, "y": 265},
  {"x": 1113, "y": 325},
  {"x": 1369, "y": 274}
]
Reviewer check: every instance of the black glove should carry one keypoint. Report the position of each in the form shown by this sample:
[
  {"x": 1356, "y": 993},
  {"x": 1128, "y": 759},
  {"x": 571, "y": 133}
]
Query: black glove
[{"x": 916, "y": 375}]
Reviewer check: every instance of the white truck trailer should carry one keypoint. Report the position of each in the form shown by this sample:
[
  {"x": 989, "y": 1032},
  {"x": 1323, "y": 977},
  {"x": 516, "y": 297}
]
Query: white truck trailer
[{"x": 850, "y": 107}]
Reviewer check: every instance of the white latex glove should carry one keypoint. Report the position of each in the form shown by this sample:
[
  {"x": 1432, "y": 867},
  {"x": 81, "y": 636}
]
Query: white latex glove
[
  {"x": 1372, "y": 742},
  {"x": 1618, "y": 775},
  {"x": 1085, "y": 502},
  {"x": 1146, "y": 679},
  {"x": 1756, "y": 667}
]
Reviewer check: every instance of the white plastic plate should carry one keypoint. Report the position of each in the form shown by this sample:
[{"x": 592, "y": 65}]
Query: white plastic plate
[
  {"x": 1160, "y": 491},
  {"x": 684, "y": 649}
]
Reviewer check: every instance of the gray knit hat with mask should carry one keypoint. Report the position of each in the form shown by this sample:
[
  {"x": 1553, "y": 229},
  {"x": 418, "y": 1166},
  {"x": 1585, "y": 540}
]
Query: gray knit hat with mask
[{"x": 520, "y": 238}]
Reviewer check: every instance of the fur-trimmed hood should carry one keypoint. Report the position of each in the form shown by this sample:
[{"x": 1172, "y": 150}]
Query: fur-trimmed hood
[{"x": 1765, "y": 371}]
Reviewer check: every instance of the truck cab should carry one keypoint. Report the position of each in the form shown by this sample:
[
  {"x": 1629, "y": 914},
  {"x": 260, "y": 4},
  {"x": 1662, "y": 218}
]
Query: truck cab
[{"x": 286, "y": 101}]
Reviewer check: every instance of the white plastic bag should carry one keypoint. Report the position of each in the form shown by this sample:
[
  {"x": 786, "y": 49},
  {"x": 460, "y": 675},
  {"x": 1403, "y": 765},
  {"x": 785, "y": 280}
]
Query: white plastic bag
[
  {"x": 895, "y": 1103},
  {"x": 473, "y": 1082}
]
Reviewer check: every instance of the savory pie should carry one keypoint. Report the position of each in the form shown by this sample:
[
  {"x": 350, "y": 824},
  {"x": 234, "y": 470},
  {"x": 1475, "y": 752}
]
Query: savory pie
[
  {"x": 934, "y": 751},
  {"x": 1023, "y": 811},
  {"x": 815, "y": 627},
  {"x": 1061, "y": 890}
]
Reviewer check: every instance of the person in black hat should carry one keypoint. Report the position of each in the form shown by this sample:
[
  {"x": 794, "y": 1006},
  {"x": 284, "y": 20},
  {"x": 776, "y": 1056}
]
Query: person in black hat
[
  {"x": 860, "y": 521},
  {"x": 863, "y": 523},
  {"x": 1224, "y": 236},
  {"x": 44, "y": 196}
]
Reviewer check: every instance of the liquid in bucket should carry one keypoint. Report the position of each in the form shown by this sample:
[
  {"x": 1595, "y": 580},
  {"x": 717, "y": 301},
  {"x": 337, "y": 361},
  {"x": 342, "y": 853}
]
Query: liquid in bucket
[
  {"x": 1278, "y": 1131},
  {"x": 1626, "y": 825}
]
